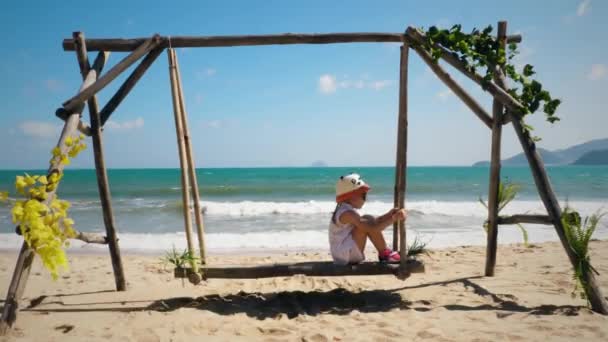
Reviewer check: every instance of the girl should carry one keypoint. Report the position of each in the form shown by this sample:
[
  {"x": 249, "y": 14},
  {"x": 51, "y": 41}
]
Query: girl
[{"x": 348, "y": 231}]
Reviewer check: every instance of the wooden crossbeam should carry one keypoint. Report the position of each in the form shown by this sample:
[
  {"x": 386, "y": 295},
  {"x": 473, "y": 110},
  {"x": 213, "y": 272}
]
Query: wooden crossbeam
[
  {"x": 455, "y": 87},
  {"x": 534, "y": 219},
  {"x": 514, "y": 107},
  {"x": 128, "y": 85},
  {"x": 118, "y": 44},
  {"x": 84, "y": 94}
]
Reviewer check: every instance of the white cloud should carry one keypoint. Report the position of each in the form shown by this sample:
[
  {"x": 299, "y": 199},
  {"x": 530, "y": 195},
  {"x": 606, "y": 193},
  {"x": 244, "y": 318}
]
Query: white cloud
[
  {"x": 126, "y": 125},
  {"x": 583, "y": 8},
  {"x": 444, "y": 94},
  {"x": 53, "y": 85},
  {"x": 207, "y": 72},
  {"x": 327, "y": 84},
  {"x": 378, "y": 85},
  {"x": 39, "y": 129},
  {"x": 213, "y": 124},
  {"x": 598, "y": 71}
]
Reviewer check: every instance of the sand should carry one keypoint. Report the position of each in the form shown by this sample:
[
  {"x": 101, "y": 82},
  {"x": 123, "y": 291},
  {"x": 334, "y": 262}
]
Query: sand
[{"x": 528, "y": 299}]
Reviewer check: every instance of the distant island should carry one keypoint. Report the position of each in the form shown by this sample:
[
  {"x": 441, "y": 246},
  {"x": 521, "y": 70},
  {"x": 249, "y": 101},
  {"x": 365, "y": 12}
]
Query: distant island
[
  {"x": 319, "y": 163},
  {"x": 594, "y": 152}
]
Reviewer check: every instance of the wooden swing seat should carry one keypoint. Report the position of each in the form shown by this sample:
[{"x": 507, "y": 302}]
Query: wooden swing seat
[{"x": 313, "y": 269}]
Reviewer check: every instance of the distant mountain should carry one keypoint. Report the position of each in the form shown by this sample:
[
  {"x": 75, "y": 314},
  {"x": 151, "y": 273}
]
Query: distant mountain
[
  {"x": 598, "y": 157},
  {"x": 318, "y": 163},
  {"x": 565, "y": 156}
]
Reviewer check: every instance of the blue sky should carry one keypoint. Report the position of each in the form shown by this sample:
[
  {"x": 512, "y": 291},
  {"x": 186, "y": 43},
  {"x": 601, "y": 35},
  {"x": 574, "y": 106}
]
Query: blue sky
[{"x": 292, "y": 105}]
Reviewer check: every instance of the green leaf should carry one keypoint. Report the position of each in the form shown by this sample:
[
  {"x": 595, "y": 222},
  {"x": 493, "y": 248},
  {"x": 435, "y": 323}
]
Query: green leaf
[{"x": 528, "y": 70}]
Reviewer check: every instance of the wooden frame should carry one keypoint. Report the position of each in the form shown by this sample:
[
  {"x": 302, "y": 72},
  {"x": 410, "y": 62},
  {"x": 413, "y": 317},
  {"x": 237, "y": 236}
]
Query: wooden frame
[{"x": 412, "y": 38}]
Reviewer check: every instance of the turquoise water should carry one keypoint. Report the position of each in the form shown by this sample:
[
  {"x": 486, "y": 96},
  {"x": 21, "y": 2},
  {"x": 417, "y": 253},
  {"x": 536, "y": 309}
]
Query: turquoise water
[
  {"x": 442, "y": 183},
  {"x": 291, "y": 206}
]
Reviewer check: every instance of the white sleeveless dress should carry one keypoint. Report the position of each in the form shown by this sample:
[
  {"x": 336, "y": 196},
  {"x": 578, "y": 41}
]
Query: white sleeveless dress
[{"x": 343, "y": 248}]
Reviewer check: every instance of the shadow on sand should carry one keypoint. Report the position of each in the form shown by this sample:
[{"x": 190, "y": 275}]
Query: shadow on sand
[{"x": 335, "y": 302}]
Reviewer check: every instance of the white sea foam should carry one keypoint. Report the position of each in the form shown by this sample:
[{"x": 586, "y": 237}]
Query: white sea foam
[
  {"x": 471, "y": 208},
  {"x": 299, "y": 240}
]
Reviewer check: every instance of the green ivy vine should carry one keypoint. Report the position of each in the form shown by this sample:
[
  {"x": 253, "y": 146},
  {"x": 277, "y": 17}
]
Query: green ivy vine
[{"x": 479, "y": 50}]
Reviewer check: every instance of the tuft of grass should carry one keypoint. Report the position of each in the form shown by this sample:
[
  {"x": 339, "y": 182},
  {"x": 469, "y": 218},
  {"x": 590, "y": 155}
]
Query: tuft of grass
[
  {"x": 179, "y": 260},
  {"x": 417, "y": 247},
  {"x": 506, "y": 193},
  {"x": 578, "y": 233}
]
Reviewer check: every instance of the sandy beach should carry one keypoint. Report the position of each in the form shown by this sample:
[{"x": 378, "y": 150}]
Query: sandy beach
[{"x": 528, "y": 299}]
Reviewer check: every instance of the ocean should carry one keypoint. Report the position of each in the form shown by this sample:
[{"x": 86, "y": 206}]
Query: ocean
[{"x": 288, "y": 209}]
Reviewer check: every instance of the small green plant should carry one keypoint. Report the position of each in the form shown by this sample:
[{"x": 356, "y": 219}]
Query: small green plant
[
  {"x": 506, "y": 193},
  {"x": 417, "y": 247},
  {"x": 578, "y": 233},
  {"x": 179, "y": 260}
]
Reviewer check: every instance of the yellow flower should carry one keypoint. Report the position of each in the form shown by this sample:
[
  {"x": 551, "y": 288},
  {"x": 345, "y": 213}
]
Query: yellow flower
[
  {"x": 3, "y": 196},
  {"x": 69, "y": 141},
  {"x": 42, "y": 180},
  {"x": 56, "y": 151},
  {"x": 20, "y": 184},
  {"x": 65, "y": 160},
  {"x": 30, "y": 180},
  {"x": 17, "y": 212}
]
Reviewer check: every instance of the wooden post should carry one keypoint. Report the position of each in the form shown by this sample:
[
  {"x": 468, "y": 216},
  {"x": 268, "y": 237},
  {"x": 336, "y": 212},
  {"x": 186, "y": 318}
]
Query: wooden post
[
  {"x": 85, "y": 94},
  {"x": 100, "y": 170},
  {"x": 26, "y": 255},
  {"x": 545, "y": 190},
  {"x": 497, "y": 110},
  {"x": 182, "y": 156},
  {"x": 401, "y": 165},
  {"x": 457, "y": 89},
  {"x": 198, "y": 216},
  {"x": 128, "y": 85}
]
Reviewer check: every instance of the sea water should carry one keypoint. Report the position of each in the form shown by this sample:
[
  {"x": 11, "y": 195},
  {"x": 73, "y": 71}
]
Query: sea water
[{"x": 288, "y": 209}]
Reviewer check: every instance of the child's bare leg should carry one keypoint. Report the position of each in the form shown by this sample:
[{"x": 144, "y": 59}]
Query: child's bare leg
[
  {"x": 360, "y": 237},
  {"x": 375, "y": 237},
  {"x": 377, "y": 240}
]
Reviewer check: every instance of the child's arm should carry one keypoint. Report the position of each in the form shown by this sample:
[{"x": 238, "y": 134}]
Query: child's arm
[
  {"x": 389, "y": 214},
  {"x": 368, "y": 223}
]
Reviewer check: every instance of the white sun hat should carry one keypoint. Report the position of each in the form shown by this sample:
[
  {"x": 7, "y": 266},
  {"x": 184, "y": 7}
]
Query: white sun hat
[{"x": 350, "y": 185}]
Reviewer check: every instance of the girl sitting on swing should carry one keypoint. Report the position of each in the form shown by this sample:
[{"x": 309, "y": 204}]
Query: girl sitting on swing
[{"x": 349, "y": 231}]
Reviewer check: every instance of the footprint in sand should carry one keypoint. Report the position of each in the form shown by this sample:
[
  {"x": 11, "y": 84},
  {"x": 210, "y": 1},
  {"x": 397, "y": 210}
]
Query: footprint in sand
[
  {"x": 274, "y": 331},
  {"x": 316, "y": 338}
]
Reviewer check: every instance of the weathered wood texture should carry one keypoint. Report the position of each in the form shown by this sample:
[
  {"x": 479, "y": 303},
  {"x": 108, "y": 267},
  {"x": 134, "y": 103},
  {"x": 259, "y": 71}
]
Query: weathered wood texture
[
  {"x": 198, "y": 213},
  {"x": 494, "y": 182},
  {"x": 183, "y": 161},
  {"x": 454, "y": 87},
  {"x": 533, "y": 219},
  {"x": 128, "y": 85},
  {"x": 545, "y": 190},
  {"x": 100, "y": 170},
  {"x": 118, "y": 44},
  {"x": 319, "y": 269},
  {"x": 26, "y": 255},
  {"x": 91, "y": 238},
  {"x": 84, "y": 94},
  {"x": 401, "y": 168}
]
